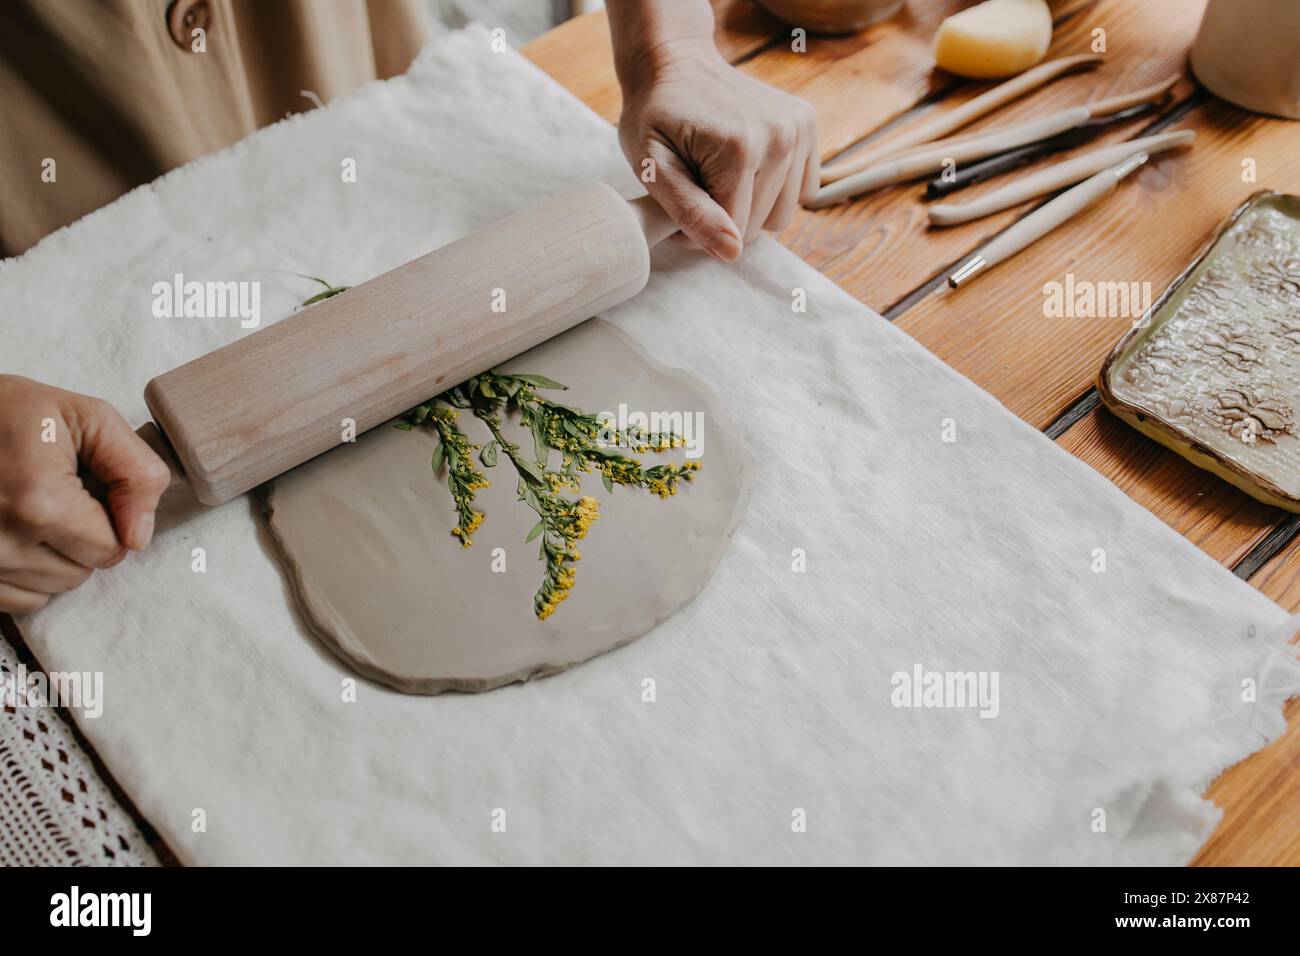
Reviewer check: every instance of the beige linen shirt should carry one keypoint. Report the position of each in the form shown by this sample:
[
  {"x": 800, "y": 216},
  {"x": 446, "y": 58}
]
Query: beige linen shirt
[{"x": 99, "y": 96}]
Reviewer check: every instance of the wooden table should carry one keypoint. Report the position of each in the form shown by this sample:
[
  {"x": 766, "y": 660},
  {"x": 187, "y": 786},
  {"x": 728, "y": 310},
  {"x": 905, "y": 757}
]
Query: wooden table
[{"x": 880, "y": 251}]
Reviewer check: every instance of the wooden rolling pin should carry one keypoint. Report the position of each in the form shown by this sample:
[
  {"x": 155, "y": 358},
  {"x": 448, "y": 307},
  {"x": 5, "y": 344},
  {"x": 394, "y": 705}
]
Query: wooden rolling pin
[{"x": 252, "y": 410}]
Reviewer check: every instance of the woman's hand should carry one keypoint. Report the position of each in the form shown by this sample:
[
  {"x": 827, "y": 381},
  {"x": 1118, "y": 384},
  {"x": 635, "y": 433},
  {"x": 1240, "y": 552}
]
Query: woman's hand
[
  {"x": 724, "y": 154},
  {"x": 53, "y": 533}
]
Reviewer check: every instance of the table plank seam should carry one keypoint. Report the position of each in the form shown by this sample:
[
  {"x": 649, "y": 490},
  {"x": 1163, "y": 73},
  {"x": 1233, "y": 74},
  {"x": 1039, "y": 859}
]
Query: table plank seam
[{"x": 1272, "y": 544}]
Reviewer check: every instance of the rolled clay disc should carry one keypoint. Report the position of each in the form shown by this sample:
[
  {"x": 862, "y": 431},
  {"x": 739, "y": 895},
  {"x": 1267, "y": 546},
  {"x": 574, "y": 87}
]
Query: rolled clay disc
[{"x": 364, "y": 533}]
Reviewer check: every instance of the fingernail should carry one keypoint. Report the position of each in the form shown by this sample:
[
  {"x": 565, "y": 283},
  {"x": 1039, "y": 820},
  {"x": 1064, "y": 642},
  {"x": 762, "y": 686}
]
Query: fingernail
[
  {"x": 725, "y": 246},
  {"x": 142, "y": 532}
]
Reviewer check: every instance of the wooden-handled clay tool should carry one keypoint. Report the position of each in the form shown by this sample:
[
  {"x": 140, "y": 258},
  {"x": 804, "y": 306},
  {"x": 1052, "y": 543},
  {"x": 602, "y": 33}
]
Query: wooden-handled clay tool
[
  {"x": 252, "y": 410},
  {"x": 932, "y": 157},
  {"x": 985, "y": 169},
  {"x": 1055, "y": 177},
  {"x": 1042, "y": 221},
  {"x": 942, "y": 124}
]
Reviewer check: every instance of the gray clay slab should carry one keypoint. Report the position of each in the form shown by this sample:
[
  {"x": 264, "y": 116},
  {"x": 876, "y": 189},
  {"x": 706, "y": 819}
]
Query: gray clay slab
[{"x": 364, "y": 537}]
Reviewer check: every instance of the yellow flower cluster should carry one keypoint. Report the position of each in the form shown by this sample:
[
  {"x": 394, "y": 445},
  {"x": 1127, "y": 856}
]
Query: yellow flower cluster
[
  {"x": 558, "y": 438},
  {"x": 620, "y": 472},
  {"x": 466, "y": 534},
  {"x": 558, "y": 594},
  {"x": 559, "y": 482},
  {"x": 585, "y": 510},
  {"x": 666, "y": 486},
  {"x": 664, "y": 443}
]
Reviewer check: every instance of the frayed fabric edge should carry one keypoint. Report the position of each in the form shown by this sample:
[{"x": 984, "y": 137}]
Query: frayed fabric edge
[{"x": 1277, "y": 680}]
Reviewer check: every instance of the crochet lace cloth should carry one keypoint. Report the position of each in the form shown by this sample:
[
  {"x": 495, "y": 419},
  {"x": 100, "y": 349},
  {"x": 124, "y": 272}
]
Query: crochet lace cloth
[{"x": 54, "y": 808}]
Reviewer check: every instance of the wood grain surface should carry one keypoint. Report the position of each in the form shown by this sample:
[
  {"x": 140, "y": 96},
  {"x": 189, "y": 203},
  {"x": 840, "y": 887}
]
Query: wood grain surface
[{"x": 866, "y": 87}]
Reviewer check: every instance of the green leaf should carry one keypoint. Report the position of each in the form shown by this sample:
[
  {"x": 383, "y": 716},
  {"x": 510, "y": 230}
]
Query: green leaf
[
  {"x": 609, "y": 485},
  {"x": 486, "y": 389},
  {"x": 404, "y": 426},
  {"x": 526, "y": 493},
  {"x": 327, "y": 294},
  {"x": 537, "y": 529},
  {"x": 439, "y": 456},
  {"x": 530, "y": 471},
  {"x": 540, "y": 448},
  {"x": 539, "y": 381},
  {"x": 489, "y": 454}
]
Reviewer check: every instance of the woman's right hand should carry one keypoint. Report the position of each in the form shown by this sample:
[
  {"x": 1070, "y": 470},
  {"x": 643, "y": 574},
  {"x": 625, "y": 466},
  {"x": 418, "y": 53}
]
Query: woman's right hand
[{"x": 53, "y": 532}]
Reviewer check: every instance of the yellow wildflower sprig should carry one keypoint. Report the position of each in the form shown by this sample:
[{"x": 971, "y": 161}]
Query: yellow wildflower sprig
[
  {"x": 455, "y": 450},
  {"x": 589, "y": 446},
  {"x": 561, "y": 522},
  {"x": 586, "y": 447}
]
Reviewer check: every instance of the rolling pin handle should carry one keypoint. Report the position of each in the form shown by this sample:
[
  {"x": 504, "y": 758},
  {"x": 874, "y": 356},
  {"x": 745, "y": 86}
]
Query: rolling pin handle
[
  {"x": 155, "y": 439},
  {"x": 655, "y": 223}
]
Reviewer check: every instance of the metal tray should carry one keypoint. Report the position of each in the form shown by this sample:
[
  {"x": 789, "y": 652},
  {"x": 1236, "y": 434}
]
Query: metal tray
[{"x": 1212, "y": 370}]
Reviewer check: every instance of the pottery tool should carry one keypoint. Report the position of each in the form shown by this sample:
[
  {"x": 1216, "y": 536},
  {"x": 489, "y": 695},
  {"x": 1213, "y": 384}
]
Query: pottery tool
[
  {"x": 934, "y": 156},
  {"x": 268, "y": 402},
  {"x": 1056, "y": 177},
  {"x": 942, "y": 124},
  {"x": 1013, "y": 159},
  {"x": 1042, "y": 221}
]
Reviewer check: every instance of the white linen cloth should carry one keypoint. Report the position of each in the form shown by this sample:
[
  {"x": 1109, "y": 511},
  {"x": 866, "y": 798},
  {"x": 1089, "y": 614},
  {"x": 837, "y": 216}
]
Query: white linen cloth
[{"x": 1119, "y": 690}]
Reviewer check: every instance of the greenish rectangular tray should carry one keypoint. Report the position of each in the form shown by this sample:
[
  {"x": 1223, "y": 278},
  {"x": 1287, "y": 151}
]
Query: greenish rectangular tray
[{"x": 1212, "y": 371}]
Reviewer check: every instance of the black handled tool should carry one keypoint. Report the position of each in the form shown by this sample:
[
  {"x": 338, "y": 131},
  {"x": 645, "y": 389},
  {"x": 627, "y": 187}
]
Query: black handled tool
[{"x": 1015, "y": 158}]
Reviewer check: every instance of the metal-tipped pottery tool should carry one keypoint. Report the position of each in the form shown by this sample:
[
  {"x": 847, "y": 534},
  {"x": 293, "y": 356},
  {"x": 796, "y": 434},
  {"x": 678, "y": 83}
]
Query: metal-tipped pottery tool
[{"x": 1042, "y": 221}]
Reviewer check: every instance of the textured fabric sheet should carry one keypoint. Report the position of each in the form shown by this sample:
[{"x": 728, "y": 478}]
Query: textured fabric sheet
[{"x": 1119, "y": 690}]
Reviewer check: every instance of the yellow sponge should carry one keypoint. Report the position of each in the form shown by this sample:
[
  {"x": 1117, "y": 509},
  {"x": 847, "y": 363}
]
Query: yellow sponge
[{"x": 994, "y": 39}]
